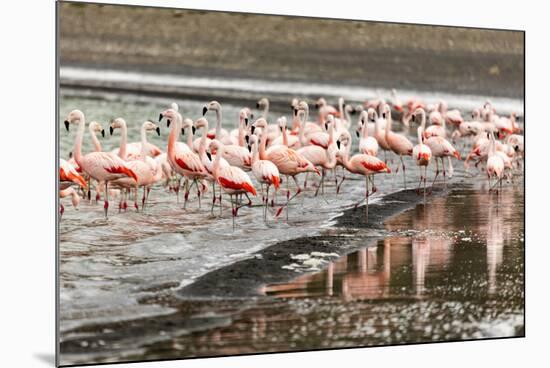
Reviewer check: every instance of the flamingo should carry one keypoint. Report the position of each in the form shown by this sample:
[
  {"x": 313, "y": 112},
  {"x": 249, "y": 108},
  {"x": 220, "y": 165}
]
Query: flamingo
[
  {"x": 288, "y": 161},
  {"x": 495, "y": 164},
  {"x": 218, "y": 132},
  {"x": 365, "y": 165},
  {"x": 422, "y": 153},
  {"x": 144, "y": 166},
  {"x": 101, "y": 166},
  {"x": 367, "y": 145},
  {"x": 398, "y": 143},
  {"x": 202, "y": 123},
  {"x": 184, "y": 162},
  {"x": 232, "y": 179},
  {"x": 318, "y": 156},
  {"x": 265, "y": 172},
  {"x": 131, "y": 150},
  {"x": 441, "y": 148}
]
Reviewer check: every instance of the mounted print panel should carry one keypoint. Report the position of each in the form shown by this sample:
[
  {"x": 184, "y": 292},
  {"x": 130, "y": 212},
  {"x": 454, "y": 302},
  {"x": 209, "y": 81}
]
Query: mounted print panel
[{"x": 235, "y": 183}]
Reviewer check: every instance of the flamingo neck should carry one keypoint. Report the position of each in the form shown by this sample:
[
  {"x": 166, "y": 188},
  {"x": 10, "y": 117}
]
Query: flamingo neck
[
  {"x": 202, "y": 145},
  {"x": 265, "y": 112},
  {"x": 218, "y": 123},
  {"x": 77, "y": 150},
  {"x": 302, "y": 129},
  {"x": 388, "y": 125},
  {"x": 263, "y": 141},
  {"x": 341, "y": 107},
  {"x": 255, "y": 153},
  {"x": 216, "y": 165},
  {"x": 241, "y": 132},
  {"x": 285, "y": 137},
  {"x": 330, "y": 134},
  {"x": 173, "y": 137},
  {"x": 97, "y": 144},
  {"x": 190, "y": 137},
  {"x": 123, "y": 140},
  {"x": 143, "y": 134}
]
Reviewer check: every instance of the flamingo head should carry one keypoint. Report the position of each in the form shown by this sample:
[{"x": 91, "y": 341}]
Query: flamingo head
[
  {"x": 117, "y": 123},
  {"x": 97, "y": 128},
  {"x": 260, "y": 123},
  {"x": 149, "y": 126},
  {"x": 74, "y": 117},
  {"x": 281, "y": 122},
  {"x": 329, "y": 121},
  {"x": 212, "y": 105},
  {"x": 262, "y": 103},
  {"x": 200, "y": 123},
  {"x": 170, "y": 115},
  {"x": 187, "y": 123},
  {"x": 320, "y": 103}
]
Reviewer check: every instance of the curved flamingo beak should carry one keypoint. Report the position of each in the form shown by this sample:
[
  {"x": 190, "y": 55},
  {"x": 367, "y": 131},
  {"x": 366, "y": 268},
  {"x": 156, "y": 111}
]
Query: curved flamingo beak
[
  {"x": 160, "y": 117},
  {"x": 103, "y": 133},
  {"x": 67, "y": 124},
  {"x": 357, "y": 133},
  {"x": 338, "y": 144},
  {"x": 168, "y": 123},
  {"x": 111, "y": 130},
  {"x": 457, "y": 155},
  {"x": 249, "y": 148},
  {"x": 158, "y": 131},
  {"x": 257, "y": 105},
  {"x": 246, "y": 121},
  {"x": 252, "y": 128},
  {"x": 209, "y": 156},
  {"x": 204, "y": 110},
  {"x": 182, "y": 131},
  {"x": 193, "y": 129}
]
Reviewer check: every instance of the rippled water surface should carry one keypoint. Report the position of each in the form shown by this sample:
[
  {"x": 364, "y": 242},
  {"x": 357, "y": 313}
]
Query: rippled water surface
[{"x": 448, "y": 269}]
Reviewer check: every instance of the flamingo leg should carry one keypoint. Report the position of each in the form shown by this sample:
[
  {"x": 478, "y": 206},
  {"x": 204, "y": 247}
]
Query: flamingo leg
[
  {"x": 233, "y": 211},
  {"x": 444, "y": 173},
  {"x": 213, "y": 197},
  {"x": 436, "y": 174},
  {"x": 321, "y": 184},
  {"x": 305, "y": 181},
  {"x": 367, "y": 198},
  {"x": 106, "y": 204},
  {"x": 425, "y": 177},
  {"x": 135, "y": 199},
  {"x": 404, "y": 176},
  {"x": 266, "y": 200}
]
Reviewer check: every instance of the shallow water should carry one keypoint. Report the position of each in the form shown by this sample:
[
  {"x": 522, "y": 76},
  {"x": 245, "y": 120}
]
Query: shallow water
[{"x": 460, "y": 254}]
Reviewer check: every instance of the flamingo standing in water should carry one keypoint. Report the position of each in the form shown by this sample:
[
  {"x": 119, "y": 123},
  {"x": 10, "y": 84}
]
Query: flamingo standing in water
[
  {"x": 233, "y": 180},
  {"x": 101, "y": 166},
  {"x": 398, "y": 143},
  {"x": 144, "y": 166},
  {"x": 441, "y": 148},
  {"x": 184, "y": 162},
  {"x": 422, "y": 154},
  {"x": 495, "y": 164},
  {"x": 363, "y": 165},
  {"x": 265, "y": 172},
  {"x": 202, "y": 123},
  {"x": 367, "y": 145},
  {"x": 288, "y": 161}
]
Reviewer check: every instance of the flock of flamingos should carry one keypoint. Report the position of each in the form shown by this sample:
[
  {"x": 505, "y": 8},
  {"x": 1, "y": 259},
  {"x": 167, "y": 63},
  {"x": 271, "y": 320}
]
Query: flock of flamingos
[{"x": 272, "y": 152}]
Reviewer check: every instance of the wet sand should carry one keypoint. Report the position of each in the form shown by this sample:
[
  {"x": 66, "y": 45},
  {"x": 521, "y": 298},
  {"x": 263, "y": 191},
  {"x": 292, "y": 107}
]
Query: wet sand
[
  {"x": 370, "y": 54},
  {"x": 450, "y": 269}
]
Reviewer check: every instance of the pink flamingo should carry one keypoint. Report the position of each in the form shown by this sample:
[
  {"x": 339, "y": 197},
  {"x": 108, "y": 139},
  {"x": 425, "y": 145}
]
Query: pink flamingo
[
  {"x": 291, "y": 141},
  {"x": 233, "y": 180},
  {"x": 318, "y": 156},
  {"x": 421, "y": 152},
  {"x": 184, "y": 162},
  {"x": 441, "y": 148},
  {"x": 208, "y": 164},
  {"x": 321, "y": 139},
  {"x": 363, "y": 165},
  {"x": 288, "y": 161},
  {"x": 495, "y": 164},
  {"x": 144, "y": 166},
  {"x": 101, "y": 166},
  {"x": 217, "y": 133},
  {"x": 367, "y": 145},
  {"x": 398, "y": 143},
  {"x": 265, "y": 172},
  {"x": 325, "y": 109}
]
